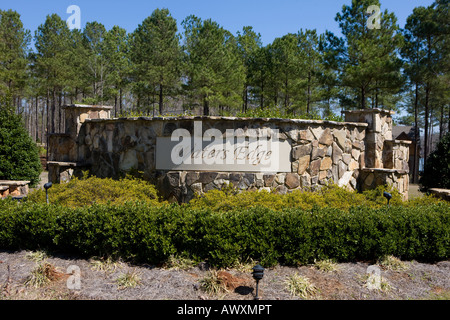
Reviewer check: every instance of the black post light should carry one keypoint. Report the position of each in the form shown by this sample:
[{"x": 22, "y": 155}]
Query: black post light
[
  {"x": 46, "y": 187},
  {"x": 388, "y": 196},
  {"x": 258, "y": 274}
]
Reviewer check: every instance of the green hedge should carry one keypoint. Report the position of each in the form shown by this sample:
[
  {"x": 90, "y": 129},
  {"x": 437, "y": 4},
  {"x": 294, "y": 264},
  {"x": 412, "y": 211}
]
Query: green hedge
[{"x": 142, "y": 233}]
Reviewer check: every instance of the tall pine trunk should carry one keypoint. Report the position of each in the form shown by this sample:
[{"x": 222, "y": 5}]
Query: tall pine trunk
[
  {"x": 161, "y": 99},
  {"x": 115, "y": 105},
  {"x": 120, "y": 100},
  {"x": 37, "y": 119},
  {"x": 205, "y": 106},
  {"x": 427, "y": 98},
  {"x": 441, "y": 123},
  {"x": 363, "y": 98},
  {"x": 416, "y": 137},
  {"x": 308, "y": 101},
  {"x": 246, "y": 98},
  {"x": 53, "y": 123}
]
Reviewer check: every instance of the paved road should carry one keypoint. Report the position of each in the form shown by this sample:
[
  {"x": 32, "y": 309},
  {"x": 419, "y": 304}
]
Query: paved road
[{"x": 44, "y": 180}]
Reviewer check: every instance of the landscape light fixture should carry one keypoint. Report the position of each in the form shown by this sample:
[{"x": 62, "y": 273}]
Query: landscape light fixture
[
  {"x": 258, "y": 274},
  {"x": 46, "y": 187},
  {"x": 388, "y": 196}
]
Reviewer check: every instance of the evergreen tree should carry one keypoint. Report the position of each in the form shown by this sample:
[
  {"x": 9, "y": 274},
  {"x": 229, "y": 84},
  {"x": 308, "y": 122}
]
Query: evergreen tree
[
  {"x": 261, "y": 67},
  {"x": 426, "y": 55},
  {"x": 14, "y": 42},
  {"x": 53, "y": 64},
  {"x": 288, "y": 67},
  {"x": 367, "y": 58},
  {"x": 19, "y": 157},
  {"x": 94, "y": 35},
  {"x": 249, "y": 43},
  {"x": 79, "y": 86},
  {"x": 437, "y": 169},
  {"x": 214, "y": 69},
  {"x": 116, "y": 53},
  {"x": 156, "y": 54},
  {"x": 313, "y": 74}
]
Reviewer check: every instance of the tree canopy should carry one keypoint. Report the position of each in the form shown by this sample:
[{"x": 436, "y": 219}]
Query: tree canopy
[{"x": 206, "y": 69}]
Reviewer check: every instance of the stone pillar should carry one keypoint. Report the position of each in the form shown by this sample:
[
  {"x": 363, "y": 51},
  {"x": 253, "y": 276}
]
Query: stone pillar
[
  {"x": 63, "y": 147},
  {"x": 378, "y": 131},
  {"x": 76, "y": 115},
  {"x": 386, "y": 160},
  {"x": 396, "y": 154}
]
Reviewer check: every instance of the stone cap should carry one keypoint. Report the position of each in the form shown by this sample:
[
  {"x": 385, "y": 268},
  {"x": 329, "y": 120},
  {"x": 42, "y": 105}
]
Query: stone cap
[
  {"x": 64, "y": 164},
  {"x": 382, "y": 111},
  {"x": 87, "y": 106},
  {"x": 13, "y": 183},
  {"x": 398, "y": 141},
  {"x": 199, "y": 118},
  {"x": 443, "y": 193}
]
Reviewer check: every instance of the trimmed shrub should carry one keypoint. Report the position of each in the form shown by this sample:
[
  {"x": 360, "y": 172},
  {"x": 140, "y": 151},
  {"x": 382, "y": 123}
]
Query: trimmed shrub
[
  {"x": 436, "y": 172},
  {"x": 330, "y": 196},
  {"x": 139, "y": 232},
  {"x": 19, "y": 155},
  {"x": 88, "y": 191}
]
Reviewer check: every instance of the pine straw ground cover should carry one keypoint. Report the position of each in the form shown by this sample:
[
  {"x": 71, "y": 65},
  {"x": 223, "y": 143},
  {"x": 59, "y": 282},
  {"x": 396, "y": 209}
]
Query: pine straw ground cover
[{"x": 106, "y": 279}]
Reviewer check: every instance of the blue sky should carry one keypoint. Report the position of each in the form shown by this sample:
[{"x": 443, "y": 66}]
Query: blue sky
[{"x": 270, "y": 18}]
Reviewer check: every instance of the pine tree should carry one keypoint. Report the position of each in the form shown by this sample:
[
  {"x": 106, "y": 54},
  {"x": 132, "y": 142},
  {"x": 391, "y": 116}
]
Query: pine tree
[
  {"x": 288, "y": 66},
  {"x": 14, "y": 50},
  {"x": 156, "y": 55},
  {"x": 261, "y": 67},
  {"x": 249, "y": 43},
  {"x": 79, "y": 86},
  {"x": 214, "y": 69},
  {"x": 367, "y": 58},
  {"x": 94, "y": 35},
  {"x": 116, "y": 53},
  {"x": 309, "y": 44},
  {"x": 426, "y": 58},
  {"x": 53, "y": 64}
]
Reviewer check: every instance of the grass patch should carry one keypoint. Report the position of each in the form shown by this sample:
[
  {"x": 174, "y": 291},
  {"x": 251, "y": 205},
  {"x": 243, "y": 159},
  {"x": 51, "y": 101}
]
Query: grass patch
[
  {"x": 43, "y": 274},
  {"x": 390, "y": 262},
  {"x": 300, "y": 286},
  {"x": 130, "y": 279},
  {"x": 179, "y": 262},
  {"x": 36, "y": 256},
  {"x": 212, "y": 284},
  {"x": 327, "y": 265},
  {"x": 105, "y": 265}
]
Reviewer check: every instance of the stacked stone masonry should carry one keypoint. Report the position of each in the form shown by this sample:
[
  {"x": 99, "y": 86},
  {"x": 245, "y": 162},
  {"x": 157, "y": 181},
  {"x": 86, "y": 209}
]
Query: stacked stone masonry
[
  {"x": 13, "y": 188},
  {"x": 321, "y": 152}
]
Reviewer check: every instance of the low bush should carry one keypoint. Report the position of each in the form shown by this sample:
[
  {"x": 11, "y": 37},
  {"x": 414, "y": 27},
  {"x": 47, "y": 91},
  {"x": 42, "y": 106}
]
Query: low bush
[
  {"x": 93, "y": 190},
  {"x": 330, "y": 196},
  {"x": 292, "y": 236}
]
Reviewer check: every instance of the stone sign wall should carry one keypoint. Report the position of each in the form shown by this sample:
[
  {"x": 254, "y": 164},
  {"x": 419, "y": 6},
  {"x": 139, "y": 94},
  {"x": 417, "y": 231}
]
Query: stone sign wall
[{"x": 313, "y": 153}]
